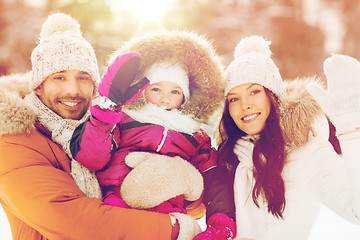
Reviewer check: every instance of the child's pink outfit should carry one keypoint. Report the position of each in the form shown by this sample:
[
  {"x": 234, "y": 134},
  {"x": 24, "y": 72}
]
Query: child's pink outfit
[{"x": 153, "y": 158}]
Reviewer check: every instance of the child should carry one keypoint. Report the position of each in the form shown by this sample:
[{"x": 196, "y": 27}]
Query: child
[{"x": 150, "y": 150}]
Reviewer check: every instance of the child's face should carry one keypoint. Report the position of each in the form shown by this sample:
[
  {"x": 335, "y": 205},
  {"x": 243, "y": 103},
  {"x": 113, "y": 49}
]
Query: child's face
[{"x": 165, "y": 94}]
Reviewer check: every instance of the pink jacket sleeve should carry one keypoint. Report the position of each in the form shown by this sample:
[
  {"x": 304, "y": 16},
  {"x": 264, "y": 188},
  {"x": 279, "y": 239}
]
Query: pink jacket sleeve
[
  {"x": 205, "y": 157},
  {"x": 91, "y": 143}
]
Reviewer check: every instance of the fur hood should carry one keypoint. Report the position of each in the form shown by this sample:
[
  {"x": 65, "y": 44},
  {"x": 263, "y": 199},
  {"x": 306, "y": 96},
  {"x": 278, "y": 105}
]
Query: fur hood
[
  {"x": 16, "y": 115},
  {"x": 298, "y": 112},
  {"x": 196, "y": 54}
]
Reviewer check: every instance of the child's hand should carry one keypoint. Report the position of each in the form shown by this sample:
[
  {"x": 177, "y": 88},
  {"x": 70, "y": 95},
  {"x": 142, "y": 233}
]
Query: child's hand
[{"x": 120, "y": 74}]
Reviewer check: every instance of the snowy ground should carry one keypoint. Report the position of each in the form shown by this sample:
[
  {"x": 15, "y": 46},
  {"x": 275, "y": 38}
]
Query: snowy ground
[{"x": 328, "y": 227}]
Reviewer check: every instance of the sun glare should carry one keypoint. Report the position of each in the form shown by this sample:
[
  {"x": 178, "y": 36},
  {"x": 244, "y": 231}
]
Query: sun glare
[{"x": 144, "y": 9}]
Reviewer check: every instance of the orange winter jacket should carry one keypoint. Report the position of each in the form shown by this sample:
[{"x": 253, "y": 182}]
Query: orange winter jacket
[{"x": 40, "y": 197}]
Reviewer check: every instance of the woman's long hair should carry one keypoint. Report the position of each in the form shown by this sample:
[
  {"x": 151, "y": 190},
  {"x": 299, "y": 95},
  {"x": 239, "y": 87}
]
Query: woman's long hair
[{"x": 268, "y": 156}]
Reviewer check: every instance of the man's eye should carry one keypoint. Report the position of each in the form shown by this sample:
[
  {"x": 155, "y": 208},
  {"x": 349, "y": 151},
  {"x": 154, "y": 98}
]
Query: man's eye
[
  {"x": 86, "y": 78},
  {"x": 59, "y": 77}
]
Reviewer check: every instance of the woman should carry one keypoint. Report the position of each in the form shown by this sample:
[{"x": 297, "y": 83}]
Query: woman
[{"x": 275, "y": 145}]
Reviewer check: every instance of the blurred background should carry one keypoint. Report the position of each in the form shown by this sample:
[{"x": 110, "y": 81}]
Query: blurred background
[{"x": 303, "y": 32}]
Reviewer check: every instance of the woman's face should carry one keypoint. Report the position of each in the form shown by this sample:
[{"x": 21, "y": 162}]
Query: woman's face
[{"x": 249, "y": 107}]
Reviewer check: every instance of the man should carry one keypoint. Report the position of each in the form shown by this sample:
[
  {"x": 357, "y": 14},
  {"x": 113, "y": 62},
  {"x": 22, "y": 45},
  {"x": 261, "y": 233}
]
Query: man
[{"x": 38, "y": 113}]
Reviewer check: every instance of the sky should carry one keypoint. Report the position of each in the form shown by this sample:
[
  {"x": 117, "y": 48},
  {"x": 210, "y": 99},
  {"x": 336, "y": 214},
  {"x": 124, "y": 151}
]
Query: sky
[{"x": 329, "y": 226}]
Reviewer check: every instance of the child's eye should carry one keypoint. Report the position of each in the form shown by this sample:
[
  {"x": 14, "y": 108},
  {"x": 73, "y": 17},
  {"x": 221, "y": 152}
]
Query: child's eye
[
  {"x": 175, "y": 92},
  {"x": 155, "y": 89}
]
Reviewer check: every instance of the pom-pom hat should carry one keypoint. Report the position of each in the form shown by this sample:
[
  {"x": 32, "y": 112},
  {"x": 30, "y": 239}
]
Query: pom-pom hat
[
  {"x": 172, "y": 72},
  {"x": 62, "y": 47},
  {"x": 253, "y": 64}
]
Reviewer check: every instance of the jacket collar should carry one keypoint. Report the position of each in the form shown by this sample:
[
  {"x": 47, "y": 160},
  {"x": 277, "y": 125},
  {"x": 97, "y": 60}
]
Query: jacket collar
[{"x": 298, "y": 110}]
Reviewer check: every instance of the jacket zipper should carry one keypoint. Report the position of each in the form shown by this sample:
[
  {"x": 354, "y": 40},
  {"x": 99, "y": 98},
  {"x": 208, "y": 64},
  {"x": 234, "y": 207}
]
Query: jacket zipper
[{"x": 162, "y": 140}]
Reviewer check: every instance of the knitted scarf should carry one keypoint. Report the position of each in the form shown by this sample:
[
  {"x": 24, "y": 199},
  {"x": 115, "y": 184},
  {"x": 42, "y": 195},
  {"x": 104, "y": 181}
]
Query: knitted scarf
[
  {"x": 250, "y": 220},
  {"x": 61, "y": 131}
]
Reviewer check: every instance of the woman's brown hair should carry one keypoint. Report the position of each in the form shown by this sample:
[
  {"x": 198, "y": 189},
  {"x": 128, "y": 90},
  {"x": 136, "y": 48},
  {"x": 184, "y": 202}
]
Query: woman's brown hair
[{"x": 268, "y": 156}]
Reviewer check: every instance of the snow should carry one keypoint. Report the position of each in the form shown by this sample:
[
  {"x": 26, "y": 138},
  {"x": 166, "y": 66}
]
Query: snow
[
  {"x": 5, "y": 233},
  {"x": 329, "y": 226}
]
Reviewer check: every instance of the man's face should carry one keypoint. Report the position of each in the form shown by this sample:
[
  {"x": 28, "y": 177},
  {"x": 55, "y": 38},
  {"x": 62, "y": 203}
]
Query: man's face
[{"x": 67, "y": 93}]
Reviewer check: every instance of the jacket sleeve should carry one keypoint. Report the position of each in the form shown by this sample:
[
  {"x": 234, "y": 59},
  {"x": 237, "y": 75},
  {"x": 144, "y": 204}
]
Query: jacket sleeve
[
  {"x": 91, "y": 143},
  {"x": 336, "y": 178},
  {"x": 205, "y": 157},
  {"x": 218, "y": 192},
  {"x": 218, "y": 181},
  {"x": 38, "y": 193}
]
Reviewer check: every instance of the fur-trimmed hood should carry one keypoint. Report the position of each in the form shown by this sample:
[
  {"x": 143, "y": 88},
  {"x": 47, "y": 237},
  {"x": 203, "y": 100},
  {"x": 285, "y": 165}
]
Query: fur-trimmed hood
[
  {"x": 196, "y": 54},
  {"x": 16, "y": 115},
  {"x": 298, "y": 112}
]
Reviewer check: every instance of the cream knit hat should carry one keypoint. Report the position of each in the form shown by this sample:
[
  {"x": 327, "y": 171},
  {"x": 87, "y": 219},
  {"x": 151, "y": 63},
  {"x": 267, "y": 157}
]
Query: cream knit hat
[
  {"x": 167, "y": 71},
  {"x": 62, "y": 47},
  {"x": 253, "y": 64}
]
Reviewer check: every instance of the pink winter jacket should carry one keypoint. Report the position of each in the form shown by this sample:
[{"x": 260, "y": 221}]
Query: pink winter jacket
[{"x": 93, "y": 143}]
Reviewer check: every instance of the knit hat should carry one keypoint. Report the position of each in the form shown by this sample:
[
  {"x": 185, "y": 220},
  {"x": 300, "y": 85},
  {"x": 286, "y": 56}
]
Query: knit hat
[
  {"x": 253, "y": 64},
  {"x": 167, "y": 71},
  {"x": 62, "y": 47}
]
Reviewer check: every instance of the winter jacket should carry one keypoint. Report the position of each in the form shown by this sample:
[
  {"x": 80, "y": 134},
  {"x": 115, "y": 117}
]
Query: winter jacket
[
  {"x": 37, "y": 192},
  {"x": 313, "y": 173},
  {"x": 147, "y": 128},
  {"x": 133, "y": 136}
]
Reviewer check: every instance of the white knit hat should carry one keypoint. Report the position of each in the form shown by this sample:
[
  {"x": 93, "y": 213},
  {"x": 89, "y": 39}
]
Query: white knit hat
[
  {"x": 62, "y": 47},
  {"x": 253, "y": 64},
  {"x": 167, "y": 71}
]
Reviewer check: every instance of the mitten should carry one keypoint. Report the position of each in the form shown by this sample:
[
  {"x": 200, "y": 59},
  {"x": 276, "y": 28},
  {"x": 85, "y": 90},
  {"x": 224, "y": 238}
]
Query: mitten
[
  {"x": 219, "y": 227},
  {"x": 120, "y": 74},
  {"x": 113, "y": 200},
  {"x": 175, "y": 204},
  {"x": 341, "y": 101},
  {"x": 115, "y": 90},
  {"x": 159, "y": 178},
  {"x": 189, "y": 227}
]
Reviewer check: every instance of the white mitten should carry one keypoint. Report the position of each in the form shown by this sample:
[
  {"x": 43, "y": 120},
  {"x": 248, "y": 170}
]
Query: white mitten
[
  {"x": 189, "y": 227},
  {"x": 341, "y": 102},
  {"x": 133, "y": 159},
  {"x": 159, "y": 178}
]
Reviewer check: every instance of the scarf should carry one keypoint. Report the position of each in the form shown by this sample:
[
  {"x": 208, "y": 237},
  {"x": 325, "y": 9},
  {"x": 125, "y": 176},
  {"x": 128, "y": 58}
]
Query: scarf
[
  {"x": 250, "y": 220},
  {"x": 61, "y": 132}
]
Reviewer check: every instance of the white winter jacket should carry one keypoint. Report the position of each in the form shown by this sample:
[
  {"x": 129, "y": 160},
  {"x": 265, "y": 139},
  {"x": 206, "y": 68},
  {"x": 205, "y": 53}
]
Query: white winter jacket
[{"x": 314, "y": 173}]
